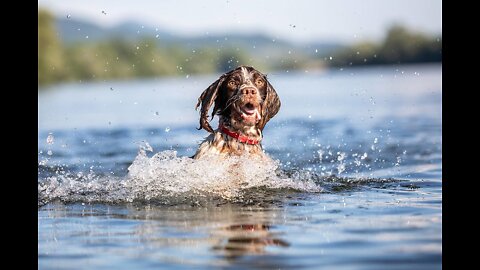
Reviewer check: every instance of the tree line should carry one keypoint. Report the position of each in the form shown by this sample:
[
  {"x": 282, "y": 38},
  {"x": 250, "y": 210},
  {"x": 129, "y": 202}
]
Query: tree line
[
  {"x": 119, "y": 58},
  {"x": 400, "y": 46}
]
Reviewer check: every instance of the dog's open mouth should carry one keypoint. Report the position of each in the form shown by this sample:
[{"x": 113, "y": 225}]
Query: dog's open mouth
[
  {"x": 249, "y": 113},
  {"x": 249, "y": 109}
]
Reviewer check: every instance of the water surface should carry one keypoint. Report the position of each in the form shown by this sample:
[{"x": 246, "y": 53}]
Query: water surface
[{"x": 356, "y": 181}]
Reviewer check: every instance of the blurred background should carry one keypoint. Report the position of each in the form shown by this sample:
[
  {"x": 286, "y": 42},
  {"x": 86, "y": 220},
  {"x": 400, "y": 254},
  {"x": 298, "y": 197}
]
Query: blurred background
[{"x": 81, "y": 41}]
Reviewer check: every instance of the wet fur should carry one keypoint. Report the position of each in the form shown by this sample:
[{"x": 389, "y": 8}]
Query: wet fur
[{"x": 218, "y": 143}]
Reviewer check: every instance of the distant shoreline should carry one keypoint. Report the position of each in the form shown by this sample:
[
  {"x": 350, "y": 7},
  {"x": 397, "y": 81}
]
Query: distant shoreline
[
  {"x": 270, "y": 73},
  {"x": 128, "y": 55}
]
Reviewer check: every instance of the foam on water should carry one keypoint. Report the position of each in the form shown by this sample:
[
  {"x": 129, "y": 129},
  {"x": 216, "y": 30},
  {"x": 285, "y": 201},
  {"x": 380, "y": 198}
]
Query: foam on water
[
  {"x": 166, "y": 173},
  {"x": 167, "y": 178}
]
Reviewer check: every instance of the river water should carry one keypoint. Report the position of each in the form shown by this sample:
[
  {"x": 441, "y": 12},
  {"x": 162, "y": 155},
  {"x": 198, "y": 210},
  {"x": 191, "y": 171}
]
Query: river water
[{"x": 356, "y": 181}]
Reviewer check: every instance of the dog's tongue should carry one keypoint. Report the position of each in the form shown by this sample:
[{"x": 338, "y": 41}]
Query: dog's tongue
[
  {"x": 249, "y": 111},
  {"x": 251, "y": 115}
]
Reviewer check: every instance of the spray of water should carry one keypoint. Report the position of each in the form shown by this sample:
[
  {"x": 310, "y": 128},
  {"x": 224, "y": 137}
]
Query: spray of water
[{"x": 166, "y": 178}]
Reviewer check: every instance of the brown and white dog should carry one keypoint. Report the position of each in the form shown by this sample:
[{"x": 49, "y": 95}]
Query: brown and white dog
[{"x": 245, "y": 101}]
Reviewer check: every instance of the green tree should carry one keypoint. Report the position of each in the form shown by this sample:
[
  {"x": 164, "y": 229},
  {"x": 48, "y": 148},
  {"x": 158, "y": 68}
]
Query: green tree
[
  {"x": 50, "y": 53},
  {"x": 399, "y": 46}
]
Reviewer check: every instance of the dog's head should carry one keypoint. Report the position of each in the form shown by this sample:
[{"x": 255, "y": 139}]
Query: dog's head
[{"x": 243, "y": 95}]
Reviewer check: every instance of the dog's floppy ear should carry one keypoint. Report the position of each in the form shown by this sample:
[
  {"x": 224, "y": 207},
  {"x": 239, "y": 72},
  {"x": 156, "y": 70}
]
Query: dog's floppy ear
[
  {"x": 207, "y": 98},
  {"x": 271, "y": 105}
]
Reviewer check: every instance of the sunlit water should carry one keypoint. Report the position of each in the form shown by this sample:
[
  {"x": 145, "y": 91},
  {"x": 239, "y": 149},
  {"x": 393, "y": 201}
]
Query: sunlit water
[{"x": 355, "y": 181}]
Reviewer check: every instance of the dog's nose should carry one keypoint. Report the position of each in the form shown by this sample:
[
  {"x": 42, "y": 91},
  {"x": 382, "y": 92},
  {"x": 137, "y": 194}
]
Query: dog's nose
[{"x": 249, "y": 91}]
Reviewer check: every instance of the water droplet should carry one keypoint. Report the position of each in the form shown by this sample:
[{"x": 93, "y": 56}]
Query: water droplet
[
  {"x": 69, "y": 16},
  {"x": 167, "y": 129},
  {"x": 399, "y": 160},
  {"x": 111, "y": 88},
  {"x": 316, "y": 50},
  {"x": 375, "y": 140},
  {"x": 145, "y": 146},
  {"x": 86, "y": 36},
  {"x": 138, "y": 48},
  {"x": 157, "y": 36},
  {"x": 357, "y": 162},
  {"x": 49, "y": 152},
  {"x": 341, "y": 168},
  {"x": 320, "y": 154},
  {"x": 187, "y": 76},
  {"x": 331, "y": 58},
  {"x": 103, "y": 11},
  {"x": 43, "y": 162},
  {"x": 358, "y": 53},
  {"x": 157, "y": 113},
  {"x": 50, "y": 138}
]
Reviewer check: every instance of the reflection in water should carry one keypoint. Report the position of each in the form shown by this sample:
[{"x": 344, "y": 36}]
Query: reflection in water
[
  {"x": 246, "y": 239},
  {"x": 229, "y": 230}
]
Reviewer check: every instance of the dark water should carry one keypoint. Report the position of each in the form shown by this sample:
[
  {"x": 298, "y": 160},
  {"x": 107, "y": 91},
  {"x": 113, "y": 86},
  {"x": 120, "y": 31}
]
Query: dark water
[{"x": 356, "y": 182}]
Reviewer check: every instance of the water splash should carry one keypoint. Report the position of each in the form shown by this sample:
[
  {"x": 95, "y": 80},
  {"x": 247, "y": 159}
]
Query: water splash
[
  {"x": 50, "y": 138},
  {"x": 165, "y": 178}
]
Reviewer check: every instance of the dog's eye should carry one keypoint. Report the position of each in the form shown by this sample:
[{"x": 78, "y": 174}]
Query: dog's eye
[
  {"x": 232, "y": 84},
  {"x": 259, "y": 82}
]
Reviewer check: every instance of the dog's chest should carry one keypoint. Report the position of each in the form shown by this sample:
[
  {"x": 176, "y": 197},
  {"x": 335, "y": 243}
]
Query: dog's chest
[{"x": 221, "y": 144}]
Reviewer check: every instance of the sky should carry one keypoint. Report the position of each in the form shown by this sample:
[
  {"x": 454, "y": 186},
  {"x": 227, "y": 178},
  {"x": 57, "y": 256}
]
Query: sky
[{"x": 293, "y": 20}]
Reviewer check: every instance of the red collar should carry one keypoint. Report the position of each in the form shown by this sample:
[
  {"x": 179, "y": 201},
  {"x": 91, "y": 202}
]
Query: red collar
[{"x": 240, "y": 138}]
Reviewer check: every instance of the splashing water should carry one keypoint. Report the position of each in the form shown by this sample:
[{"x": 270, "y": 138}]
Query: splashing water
[
  {"x": 165, "y": 178},
  {"x": 50, "y": 138},
  {"x": 167, "y": 173}
]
